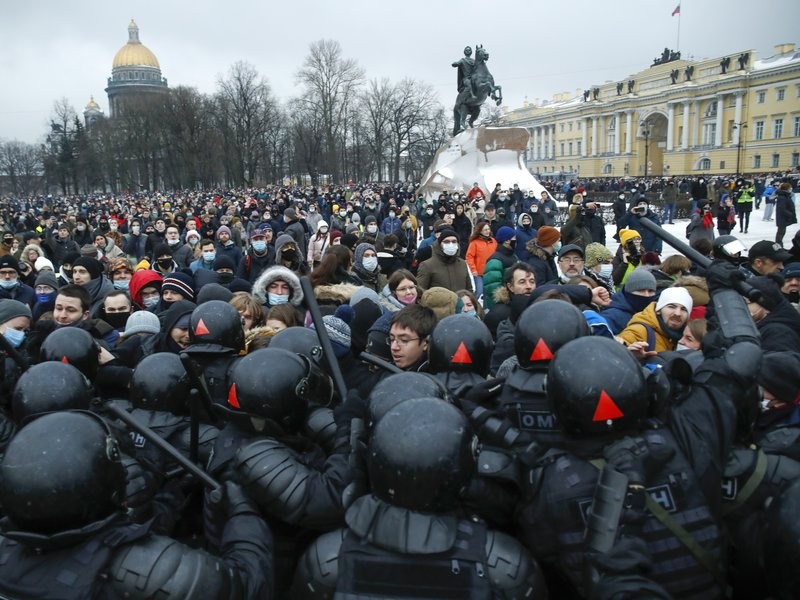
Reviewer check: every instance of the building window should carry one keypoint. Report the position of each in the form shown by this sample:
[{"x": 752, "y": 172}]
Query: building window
[
  {"x": 607, "y": 168},
  {"x": 562, "y": 128},
  {"x": 711, "y": 111},
  {"x": 569, "y": 146},
  {"x": 580, "y": 124},
  {"x": 579, "y": 144},
  {"x": 796, "y": 127},
  {"x": 796, "y": 159},
  {"x": 778, "y": 129},
  {"x": 722, "y": 164},
  {"x": 570, "y": 125},
  {"x": 612, "y": 141},
  {"x": 776, "y": 160},
  {"x": 705, "y": 164},
  {"x": 709, "y": 133},
  {"x": 562, "y": 148},
  {"x": 759, "y": 133},
  {"x": 781, "y": 94},
  {"x": 757, "y": 161},
  {"x": 761, "y": 97}
]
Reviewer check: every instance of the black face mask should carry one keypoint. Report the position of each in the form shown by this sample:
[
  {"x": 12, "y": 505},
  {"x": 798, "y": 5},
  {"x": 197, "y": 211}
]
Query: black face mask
[
  {"x": 104, "y": 226},
  {"x": 225, "y": 277},
  {"x": 289, "y": 254},
  {"x": 116, "y": 320},
  {"x": 164, "y": 263}
]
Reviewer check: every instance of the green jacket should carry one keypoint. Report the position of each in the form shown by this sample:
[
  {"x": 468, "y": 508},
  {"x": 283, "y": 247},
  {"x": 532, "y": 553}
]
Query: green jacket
[{"x": 494, "y": 271}]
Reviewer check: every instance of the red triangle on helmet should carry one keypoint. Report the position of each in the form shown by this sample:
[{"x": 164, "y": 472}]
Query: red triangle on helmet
[
  {"x": 233, "y": 399},
  {"x": 541, "y": 351},
  {"x": 65, "y": 360},
  {"x": 462, "y": 355},
  {"x": 201, "y": 328},
  {"x": 607, "y": 409}
]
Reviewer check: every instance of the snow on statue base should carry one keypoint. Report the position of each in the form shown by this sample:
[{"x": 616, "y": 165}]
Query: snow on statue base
[{"x": 488, "y": 155}]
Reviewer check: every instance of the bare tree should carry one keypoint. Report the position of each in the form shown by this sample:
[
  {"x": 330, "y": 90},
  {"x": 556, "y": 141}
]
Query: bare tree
[
  {"x": 308, "y": 132},
  {"x": 329, "y": 80},
  {"x": 245, "y": 105},
  {"x": 377, "y": 104},
  {"x": 21, "y": 163},
  {"x": 412, "y": 107}
]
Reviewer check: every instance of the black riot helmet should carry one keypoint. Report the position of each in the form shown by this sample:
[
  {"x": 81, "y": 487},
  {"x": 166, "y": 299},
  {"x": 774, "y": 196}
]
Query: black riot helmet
[
  {"x": 398, "y": 387},
  {"x": 728, "y": 247},
  {"x": 421, "y": 455},
  {"x": 543, "y": 328},
  {"x": 49, "y": 387},
  {"x": 300, "y": 340},
  {"x": 73, "y": 346},
  {"x": 216, "y": 325},
  {"x": 276, "y": 385},
  {"x": 160, "y": 382},
  {"x": 62, "y": 472},
  {"x": 781, "y": 550},
  {"x": 597, "y": 387},
  {"x": 461, "y": 344}
]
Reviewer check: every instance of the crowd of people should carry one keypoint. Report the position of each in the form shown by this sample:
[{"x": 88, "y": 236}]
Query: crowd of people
[{"x": 473, "y": 395}]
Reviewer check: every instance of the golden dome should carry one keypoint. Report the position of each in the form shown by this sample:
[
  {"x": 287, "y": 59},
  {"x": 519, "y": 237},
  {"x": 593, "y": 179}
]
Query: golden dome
[
  {"x": 134, "y": 53},
  {"x": 92, "y": 105}
]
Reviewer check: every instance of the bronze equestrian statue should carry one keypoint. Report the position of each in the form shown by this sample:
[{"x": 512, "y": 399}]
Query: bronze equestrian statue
[{"x": 475, "y": 84}]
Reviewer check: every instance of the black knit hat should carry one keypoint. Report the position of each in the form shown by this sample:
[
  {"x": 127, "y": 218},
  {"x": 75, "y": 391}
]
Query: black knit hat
[
  {"x": 180, "y": 283},
  {"x": 770, "y": 291},
  {"x": 92, "y": 265}
]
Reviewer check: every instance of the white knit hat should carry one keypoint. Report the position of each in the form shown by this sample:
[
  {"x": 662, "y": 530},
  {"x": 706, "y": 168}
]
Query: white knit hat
[
  {"x": 675, "y": 295},
  {"x": 142, "y": 321}
]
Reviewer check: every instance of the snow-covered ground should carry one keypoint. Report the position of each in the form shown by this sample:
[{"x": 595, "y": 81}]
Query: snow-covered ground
[{"x": 759, "y": 230}]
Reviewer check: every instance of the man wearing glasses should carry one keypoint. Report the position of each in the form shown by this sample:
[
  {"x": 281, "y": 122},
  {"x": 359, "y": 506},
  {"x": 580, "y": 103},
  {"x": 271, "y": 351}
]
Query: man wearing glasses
[
  {"x": 570, "y": 262},
  {"x": 409, "y": 334},
  {"x": 10, "y": 285}
]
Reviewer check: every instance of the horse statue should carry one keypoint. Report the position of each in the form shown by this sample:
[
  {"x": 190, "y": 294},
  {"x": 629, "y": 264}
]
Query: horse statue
[{"x": 471, "y": 97}]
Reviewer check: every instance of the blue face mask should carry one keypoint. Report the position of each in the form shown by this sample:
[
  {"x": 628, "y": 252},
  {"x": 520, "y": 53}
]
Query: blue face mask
[
  {"x": 470, "y": 312},
  {"x": 259, "y": 246},
  {"x": 14, "y": 337},
  {"x": 276, "y": 299},
  {"x": 209, "y": 256},
  {"x": 151, "y": 301},
  {"x": 122, "y": 285},
  {"x": 9, "y": 284},
  {"x": 45, "y": 298}
]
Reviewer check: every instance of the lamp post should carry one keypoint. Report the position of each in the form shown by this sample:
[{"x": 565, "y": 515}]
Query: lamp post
[
  {"x": 741, "y": 127},
  {"x": 645, "y": 125}
]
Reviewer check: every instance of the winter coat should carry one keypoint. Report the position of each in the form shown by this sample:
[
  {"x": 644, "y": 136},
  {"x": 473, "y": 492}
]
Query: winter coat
[
  {"x": 524, "y": 235},
  {"x": 696, "y": 229},
  {"x": 275, "y": 273},
  {"x": 253, "y": 265},
  {"x": 542, "y": 263},
  {"x": 620, "y": 311},
  {"x": 650, "y": 241},
  {"x": 440, "y": 270},
  {"x": 61, "y": 248},
  {"x": 785, "y": 212},
  {"x": 635, "y": 332},
  {"x": 316, "y": 247},
  {"x": 478, "y": 252},
  {"x": 493, "y": 273}
]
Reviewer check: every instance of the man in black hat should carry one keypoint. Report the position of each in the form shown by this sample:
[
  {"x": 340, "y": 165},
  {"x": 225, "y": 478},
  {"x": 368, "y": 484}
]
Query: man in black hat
[{"x": 765, "y": 257}]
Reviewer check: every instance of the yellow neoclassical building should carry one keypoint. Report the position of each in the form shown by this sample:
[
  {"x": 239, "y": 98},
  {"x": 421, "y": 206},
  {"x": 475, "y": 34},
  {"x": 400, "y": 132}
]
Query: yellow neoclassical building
[{"x": 736, "y": 113}]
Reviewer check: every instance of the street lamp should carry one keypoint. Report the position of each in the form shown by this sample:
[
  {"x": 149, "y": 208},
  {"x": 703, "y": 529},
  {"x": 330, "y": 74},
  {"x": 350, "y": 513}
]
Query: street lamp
[
  {"x": 741, "y": 127},
  {"x": 645, "y": 125}
]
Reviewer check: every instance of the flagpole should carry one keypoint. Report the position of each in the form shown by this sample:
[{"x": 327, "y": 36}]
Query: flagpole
[{"x": 678, "y": 48}]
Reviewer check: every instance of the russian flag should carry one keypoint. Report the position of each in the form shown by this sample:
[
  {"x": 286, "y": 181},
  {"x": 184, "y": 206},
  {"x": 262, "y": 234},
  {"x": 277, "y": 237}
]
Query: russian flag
[{"x": 677, "y": 10}]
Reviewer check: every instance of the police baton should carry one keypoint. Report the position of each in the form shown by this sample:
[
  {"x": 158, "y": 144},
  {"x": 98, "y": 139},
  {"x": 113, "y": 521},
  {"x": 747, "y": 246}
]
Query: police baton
[
  {"x": 379, "y": 362},
  {"x": 744, "y": 288},
  {"x": 165, "y": 447},
  {"x": 322, "y": 334}
]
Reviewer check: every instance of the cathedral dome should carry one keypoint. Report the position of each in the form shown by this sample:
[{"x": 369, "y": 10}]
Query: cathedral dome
[
  {"x": 134, "y": 53},
  {"x": 92, "y": 104}
]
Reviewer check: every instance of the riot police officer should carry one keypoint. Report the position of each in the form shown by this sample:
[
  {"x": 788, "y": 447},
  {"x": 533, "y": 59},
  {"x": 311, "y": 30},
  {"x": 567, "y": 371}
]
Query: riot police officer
[
  {"x": 407, "y": 538},
  {"x": 66, "y": 535}
]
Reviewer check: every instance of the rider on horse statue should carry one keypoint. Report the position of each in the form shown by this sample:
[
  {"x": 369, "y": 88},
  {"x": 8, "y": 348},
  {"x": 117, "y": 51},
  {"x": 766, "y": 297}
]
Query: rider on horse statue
[{"x": 475, "y": 84}]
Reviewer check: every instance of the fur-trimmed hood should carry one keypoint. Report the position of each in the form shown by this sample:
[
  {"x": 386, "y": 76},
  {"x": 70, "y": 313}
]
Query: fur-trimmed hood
[
  {"x": 502, "y": 295},
  {"x": 338, "y": 293},
  {"x": 275, "y": 273},
  {"x": 534, "y": 249}
]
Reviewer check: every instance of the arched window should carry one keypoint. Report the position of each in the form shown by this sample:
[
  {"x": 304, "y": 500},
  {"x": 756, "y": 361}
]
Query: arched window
[
  {"x": 704, "y": 164},
  {"x": 711, "y": 110},
  {"x": 607, "y": 169}
]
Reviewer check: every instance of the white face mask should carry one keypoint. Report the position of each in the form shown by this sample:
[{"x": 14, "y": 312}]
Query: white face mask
[
  {"x": 450, "y": 249},
  {"x": 372, "y": 228},
  {"x": 682, "y": 347},
  {"x": 605, "y": 270},
  {"x": 370, "y": 263}
]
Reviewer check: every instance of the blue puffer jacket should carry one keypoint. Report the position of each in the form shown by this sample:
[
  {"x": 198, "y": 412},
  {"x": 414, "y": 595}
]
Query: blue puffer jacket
[
  {"x": 623, "y": 306},
  {"x": 524, "y": 235}
]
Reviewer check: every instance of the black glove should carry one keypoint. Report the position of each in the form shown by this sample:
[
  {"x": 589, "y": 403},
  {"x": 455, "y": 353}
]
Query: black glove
[
  {"x": 353, "y": 407},
  {"x": 230, "y": 500},
  {"x": 480, "y": 394},
  {"x": 628, "y": 456},
  {"x": 722, "y": 275}
]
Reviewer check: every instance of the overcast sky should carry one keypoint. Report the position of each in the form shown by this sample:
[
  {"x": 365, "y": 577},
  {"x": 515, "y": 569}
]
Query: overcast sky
[{"x": 53, "y": 49}]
